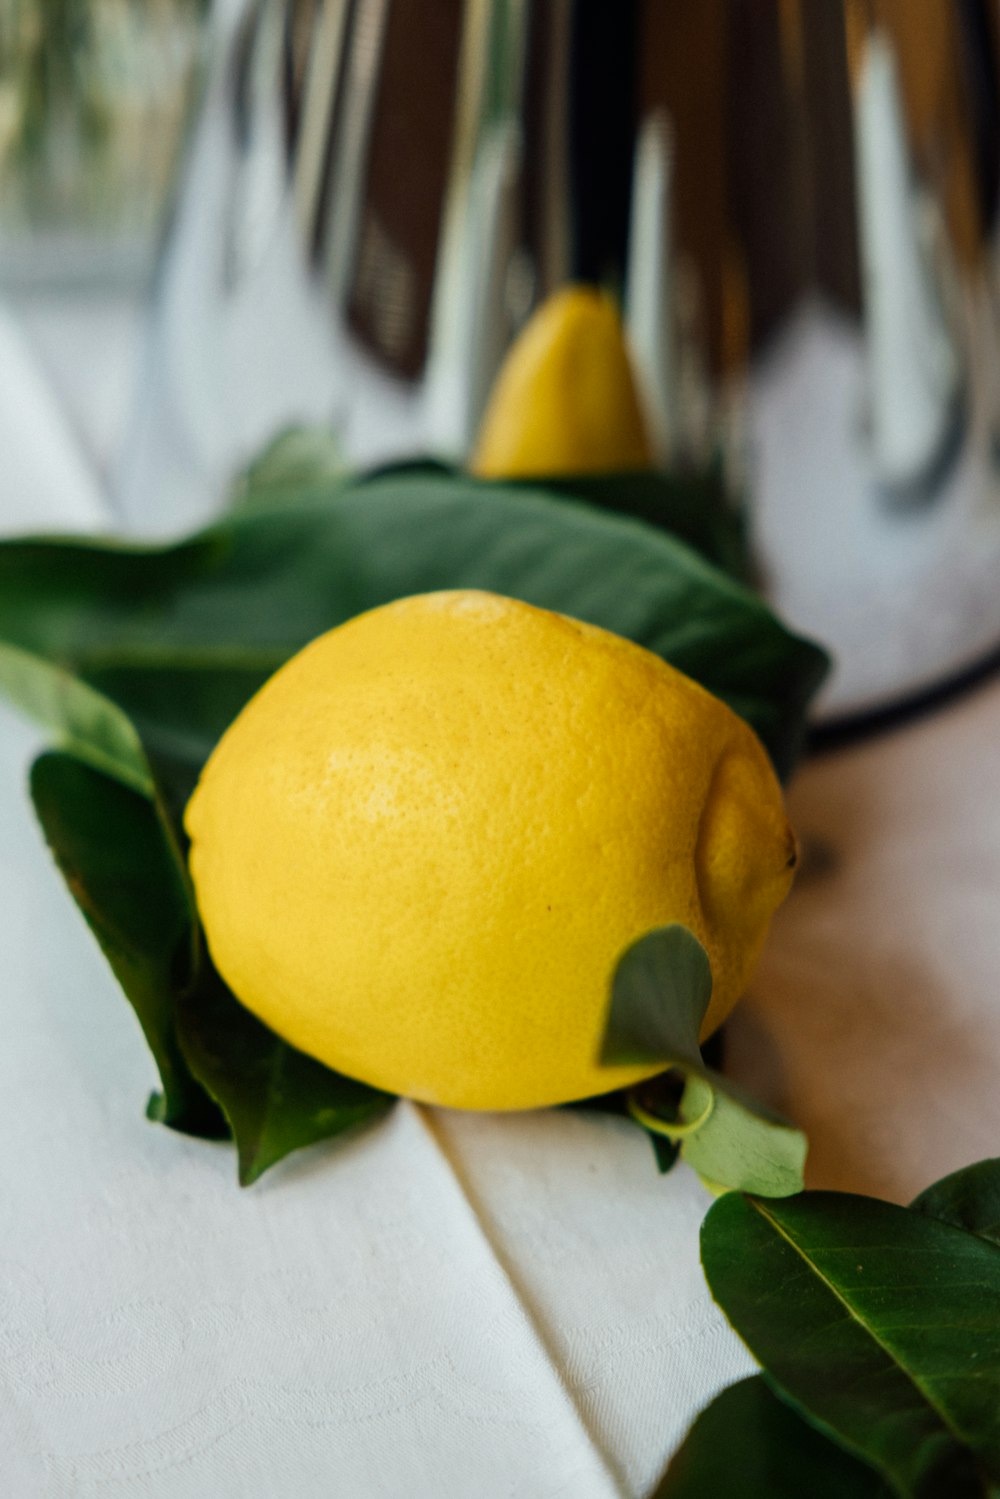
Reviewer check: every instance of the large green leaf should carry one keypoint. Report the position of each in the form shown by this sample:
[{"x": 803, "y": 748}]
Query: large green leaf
[
  {"x": 178, "y": 713},
  {"x": 695, "y": 506},
  {"x": 881, "y": 1324},
  {"x": 659, "y": 997},
  {"x": 969, "y": 1199},
  {"x": 748, "y": 1444},
  {"x": 111, "y": 848},
  {"x": 246, "y": 594}
]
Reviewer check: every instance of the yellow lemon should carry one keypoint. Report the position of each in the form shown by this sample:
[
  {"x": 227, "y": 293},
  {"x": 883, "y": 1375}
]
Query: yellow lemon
[
  {"x": 565, "y": 400},
  {"x": 421, "y": 849}
]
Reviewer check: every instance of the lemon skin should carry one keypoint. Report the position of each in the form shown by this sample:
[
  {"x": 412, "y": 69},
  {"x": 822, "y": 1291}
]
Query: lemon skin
[
  {"x": 565, "y": 400},
  {"x": 421, "y": 849}
]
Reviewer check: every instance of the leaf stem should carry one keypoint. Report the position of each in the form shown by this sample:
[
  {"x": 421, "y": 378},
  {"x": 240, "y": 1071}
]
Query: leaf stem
[{"x": 658, "y": 1126}]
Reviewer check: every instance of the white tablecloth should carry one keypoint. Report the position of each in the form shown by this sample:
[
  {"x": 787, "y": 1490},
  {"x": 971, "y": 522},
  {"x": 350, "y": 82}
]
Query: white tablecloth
[{"x": 452, "y": 1304}]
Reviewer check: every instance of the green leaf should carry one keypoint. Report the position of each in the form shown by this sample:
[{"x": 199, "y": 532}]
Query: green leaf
[
  {"x": 251, "y": 591},
  {"x": 275, "y": 1098},
  {"x": 116, "y": 857},
  {"x": 742, "y": 1145},
  {"x": 93, "y": 728},
  {"x": 748, "y": 1444},
  {"x": 969, "y": 1199},
  {"x": 659, "y": 997},
  {"x": 180, "y": 713},
  {"x": 694, "y": 506},
  {"x": 881, "y": 1324},
  {"x": 665, "y": 1151},
  {"x": 299, "y": 455},
  {"x": 111, "y": 848}
]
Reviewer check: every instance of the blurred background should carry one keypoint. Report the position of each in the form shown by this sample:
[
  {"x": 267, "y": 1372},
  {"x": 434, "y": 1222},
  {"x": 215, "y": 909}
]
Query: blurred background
[
  {"x": 95, "y": 97},
  {"x": 219, "y": 219}
]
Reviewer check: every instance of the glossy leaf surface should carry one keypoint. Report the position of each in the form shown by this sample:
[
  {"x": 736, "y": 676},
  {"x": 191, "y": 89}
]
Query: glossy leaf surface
[
  {"x": 748, "y": 1444},
  {"x": 882, "y": 1324},
  {"x": 969, "y": 1199},
  {"x": 111, "y": 849}
]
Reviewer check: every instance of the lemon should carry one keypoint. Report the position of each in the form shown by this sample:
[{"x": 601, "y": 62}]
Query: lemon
[
  {"x": 565, "y": 400},
  {"x": 420, "y": 850}
]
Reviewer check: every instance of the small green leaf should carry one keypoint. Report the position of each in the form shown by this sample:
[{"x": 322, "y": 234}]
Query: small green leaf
[
  {"x": 748, "y": 1444},
  {"x": 111, "y": 849},
  {"x": 659, "y": 997},
  {"x": 88, "y": 724},
  {"x": 969, "y": 1199},
  {"x": 742, "y": 1145},
  {"x": 299, "y": 455},
  {"x": 665, "y": 1151},
  {"x": 276, "y": 1099},
  {"x": 882, "y": 1325}
]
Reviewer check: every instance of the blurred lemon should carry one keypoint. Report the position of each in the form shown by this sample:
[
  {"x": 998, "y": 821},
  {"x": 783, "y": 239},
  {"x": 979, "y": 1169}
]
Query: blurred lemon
[
  {"x": 565, "y": 400},
  {"x": 421, "y": 849}
]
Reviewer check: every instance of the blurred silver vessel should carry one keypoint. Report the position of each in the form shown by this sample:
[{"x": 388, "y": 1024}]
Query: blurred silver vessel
[{"x": 795, "y": 200}]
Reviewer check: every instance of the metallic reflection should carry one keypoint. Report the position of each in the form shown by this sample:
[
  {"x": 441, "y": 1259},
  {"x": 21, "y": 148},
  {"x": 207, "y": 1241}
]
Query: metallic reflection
[{"x": 796, "y": 201}]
